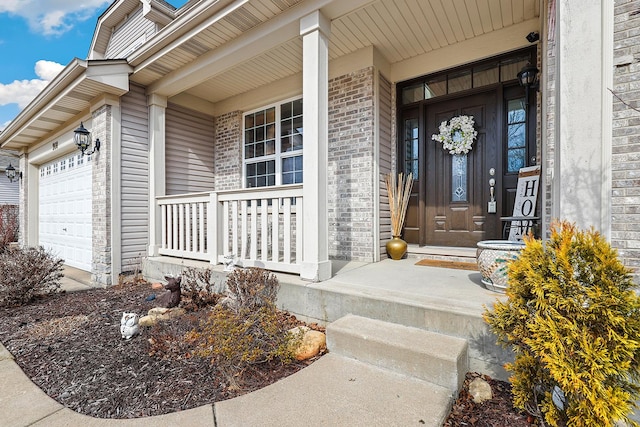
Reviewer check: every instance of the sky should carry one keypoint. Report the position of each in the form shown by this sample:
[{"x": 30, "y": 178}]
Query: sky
[{"x": 38, "y": 38}]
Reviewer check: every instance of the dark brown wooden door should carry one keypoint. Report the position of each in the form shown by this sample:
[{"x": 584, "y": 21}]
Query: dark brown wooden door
[{"x": 457, "y": 189}]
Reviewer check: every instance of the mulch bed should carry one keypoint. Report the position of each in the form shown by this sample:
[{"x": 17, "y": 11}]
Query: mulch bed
[
  {"x": 496, "y": 412},
  {"x": 70, "y": 346}
]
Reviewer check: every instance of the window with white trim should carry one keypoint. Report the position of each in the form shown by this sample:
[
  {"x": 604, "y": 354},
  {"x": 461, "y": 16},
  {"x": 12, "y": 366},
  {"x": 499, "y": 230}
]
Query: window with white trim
[{"x": 272, "y": 144}]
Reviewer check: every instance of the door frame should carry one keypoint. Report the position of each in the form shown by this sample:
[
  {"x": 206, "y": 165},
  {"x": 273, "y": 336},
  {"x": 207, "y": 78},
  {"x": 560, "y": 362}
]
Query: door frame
[{"x": 417, "y": 110}]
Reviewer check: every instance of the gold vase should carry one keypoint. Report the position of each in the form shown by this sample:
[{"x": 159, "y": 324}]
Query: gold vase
[{"x": 396, "y": 248}]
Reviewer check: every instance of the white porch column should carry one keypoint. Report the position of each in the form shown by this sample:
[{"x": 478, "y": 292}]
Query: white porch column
[
  {"x": 157, "y": 108},
  {"x": 584, "y": 63},
  {"x": 315, "y": 29}
]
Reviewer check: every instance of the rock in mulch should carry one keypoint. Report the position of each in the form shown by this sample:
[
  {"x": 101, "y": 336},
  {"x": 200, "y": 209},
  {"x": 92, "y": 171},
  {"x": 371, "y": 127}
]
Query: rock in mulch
[
  {"x": 480, "y": 390},
  {"x": 312, "y": 343},
  {"x": 159, "y": 314}
]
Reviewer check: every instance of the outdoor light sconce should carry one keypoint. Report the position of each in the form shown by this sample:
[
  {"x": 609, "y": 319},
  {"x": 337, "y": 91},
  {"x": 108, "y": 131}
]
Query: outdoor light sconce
[
  {"x": 528, "y": 78},
  {"x": 11, "y": 173},
  {"x": 82, "y": 138}
]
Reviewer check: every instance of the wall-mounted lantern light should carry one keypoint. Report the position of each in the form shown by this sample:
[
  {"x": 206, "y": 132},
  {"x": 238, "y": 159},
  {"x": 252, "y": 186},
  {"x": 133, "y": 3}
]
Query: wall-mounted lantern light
[
  {"x": 82, "y": 138},
  {"x": 528, "y": 78},
  {"x": 11, "y": 173}
]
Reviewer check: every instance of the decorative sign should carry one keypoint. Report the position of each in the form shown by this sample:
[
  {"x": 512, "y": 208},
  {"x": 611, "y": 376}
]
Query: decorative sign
[{"x": 526, "y": 199}]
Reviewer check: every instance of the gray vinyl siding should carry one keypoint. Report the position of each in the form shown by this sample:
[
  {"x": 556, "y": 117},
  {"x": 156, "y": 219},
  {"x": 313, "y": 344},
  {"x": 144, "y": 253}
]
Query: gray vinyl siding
[
  {"x": 134, "y": 177},
  {"x": 9, "y": 191},
  {"x": 385, "y": 163},
  {"x": 189, "y": 151},
  {"x": 129, "y": 32}
]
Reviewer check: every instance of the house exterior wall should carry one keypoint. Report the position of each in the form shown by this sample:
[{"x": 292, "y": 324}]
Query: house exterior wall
[
  {"x": 228, "y": 151},
  {"x": 131, "y": 33},
  {"x": 9, "y": 191},
  {"x": 189, "y": 151},
  {"x": 351, "y": 165},
  {"x": 625, "y": 161},
  {"x": 134, "y": 177}
]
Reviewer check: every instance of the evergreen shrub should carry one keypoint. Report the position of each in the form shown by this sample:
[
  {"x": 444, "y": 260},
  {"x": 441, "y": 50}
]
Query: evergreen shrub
[{"x": 572, "y": 318}]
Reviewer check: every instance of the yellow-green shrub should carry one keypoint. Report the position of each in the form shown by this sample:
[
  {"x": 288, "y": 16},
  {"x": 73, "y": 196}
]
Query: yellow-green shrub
[{"x": 572, "y": 319}]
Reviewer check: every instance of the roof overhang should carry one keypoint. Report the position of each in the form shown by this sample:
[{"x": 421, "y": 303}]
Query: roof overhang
[{"x": 65, "y": 98}]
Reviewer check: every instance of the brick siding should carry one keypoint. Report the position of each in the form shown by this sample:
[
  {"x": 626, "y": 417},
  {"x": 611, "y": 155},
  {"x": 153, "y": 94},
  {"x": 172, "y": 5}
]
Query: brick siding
[
  {"x": 101, "y": 182},
  {"x": 625, "y": 162},
  {"x": 351, "y": 165},
  {"x": 228, "y": 152}
]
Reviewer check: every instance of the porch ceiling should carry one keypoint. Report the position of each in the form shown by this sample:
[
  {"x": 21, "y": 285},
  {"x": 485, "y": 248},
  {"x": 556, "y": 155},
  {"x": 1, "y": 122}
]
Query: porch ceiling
[{"x": 399, "y": 29}]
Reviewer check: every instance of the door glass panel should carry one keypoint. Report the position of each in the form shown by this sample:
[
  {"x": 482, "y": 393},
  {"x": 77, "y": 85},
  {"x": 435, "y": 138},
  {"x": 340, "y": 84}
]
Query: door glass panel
[
  {"x": 459, "y": 178},
  {"x": 411, "y": 147},
  {"x": 516, "y": 135}
]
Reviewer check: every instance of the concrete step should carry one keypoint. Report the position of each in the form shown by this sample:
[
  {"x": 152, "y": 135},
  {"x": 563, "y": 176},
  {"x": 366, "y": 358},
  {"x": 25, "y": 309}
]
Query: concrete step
[{"x": 440, "y": 359}]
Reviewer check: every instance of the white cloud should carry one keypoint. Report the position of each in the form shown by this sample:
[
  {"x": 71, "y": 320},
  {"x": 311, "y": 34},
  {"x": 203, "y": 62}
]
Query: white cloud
[
  {"x": 21, "y": 92},
  {"x": 4, "y": 125},
  {"x": 52, "y": 17}
]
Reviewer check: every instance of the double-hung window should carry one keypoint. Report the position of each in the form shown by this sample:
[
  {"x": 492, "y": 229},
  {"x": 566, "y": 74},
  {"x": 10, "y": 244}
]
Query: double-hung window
[{"x": 273, "y": 145}]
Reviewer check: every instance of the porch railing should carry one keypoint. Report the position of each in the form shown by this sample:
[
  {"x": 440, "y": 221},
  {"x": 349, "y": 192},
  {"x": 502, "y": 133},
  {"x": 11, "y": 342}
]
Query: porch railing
[{"x": 255, "y": 227}]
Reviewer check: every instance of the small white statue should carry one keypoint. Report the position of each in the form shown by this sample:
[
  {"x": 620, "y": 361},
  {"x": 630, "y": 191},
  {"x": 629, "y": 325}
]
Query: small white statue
[
  {"x": 229, "y": 262},
  {"x": 129, "y": 325}
]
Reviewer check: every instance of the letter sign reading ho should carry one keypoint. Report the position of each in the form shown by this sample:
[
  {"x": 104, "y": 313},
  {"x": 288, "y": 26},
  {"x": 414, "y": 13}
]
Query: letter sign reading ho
[{"x": 526, "y": 198}]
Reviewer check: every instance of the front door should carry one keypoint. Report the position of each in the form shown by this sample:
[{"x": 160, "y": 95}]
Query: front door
[{"x": 457, "y": 186}]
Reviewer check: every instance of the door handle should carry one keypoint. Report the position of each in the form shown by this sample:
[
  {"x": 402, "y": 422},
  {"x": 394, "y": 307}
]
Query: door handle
[{"x": 492, "y": 205}]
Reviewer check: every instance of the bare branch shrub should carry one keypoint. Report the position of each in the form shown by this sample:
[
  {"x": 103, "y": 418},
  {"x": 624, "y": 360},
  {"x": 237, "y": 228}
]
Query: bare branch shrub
[
  {"x": 26, "y": 274},
  {"x": 8, "y": 225},
  {"x": 251, "y": 288},
  {"x": 197, "y": 290}
]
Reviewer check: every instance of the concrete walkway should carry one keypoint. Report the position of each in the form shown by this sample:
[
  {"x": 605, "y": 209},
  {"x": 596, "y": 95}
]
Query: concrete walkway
[{"x": 334, "y": 391}]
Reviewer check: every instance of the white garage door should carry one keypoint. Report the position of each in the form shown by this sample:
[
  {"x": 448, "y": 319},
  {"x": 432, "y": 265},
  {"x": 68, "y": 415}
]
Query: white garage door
[{"x": 65, "y": 209}]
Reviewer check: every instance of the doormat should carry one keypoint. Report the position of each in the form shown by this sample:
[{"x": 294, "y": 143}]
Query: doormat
[{"x": 458, "y": 265}]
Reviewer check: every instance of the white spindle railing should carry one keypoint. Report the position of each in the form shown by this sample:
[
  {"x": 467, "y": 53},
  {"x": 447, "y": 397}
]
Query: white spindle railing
[{"x": 257, "y": 227}]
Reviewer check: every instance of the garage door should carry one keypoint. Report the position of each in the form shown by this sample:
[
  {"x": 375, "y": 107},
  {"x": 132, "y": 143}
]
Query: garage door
[{"x": 65, "y": 209}]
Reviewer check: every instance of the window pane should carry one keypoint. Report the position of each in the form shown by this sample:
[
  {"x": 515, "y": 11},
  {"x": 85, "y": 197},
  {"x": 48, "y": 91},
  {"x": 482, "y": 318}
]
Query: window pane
[
  {"x": 516, "y": 159},
  {"x": 413, "y": 93},
  {"x": 436, "y": 87},
  {"x": 248, "y": 121},
  {"x": 411, "y": 146},
  {"x": 259, "y": 149},
  {"x": 285, "y": 127},
  {"x": 259, "y": 118},
  {"x": 516, "y": 110},
  {"x": 271, "y": 115},
  {"x": 515, "y": 135},
  {"x": 271, "y": 147},
  {"x": 285, "y": 144},
  {"x": 248, "y": 136},
  {"x": 297, "y": 107},
  {"x": 248, "y": 151},
  {"x": 271, "y": 167},
  {"x": 485, "y": 75},
  {"x": 287, "y": 164},
  {"x": 510, "y": 68},
  {"x": 459, "y": 81},
  {"x": 271, "y": 131},
  {"x": 286, "y": 110}
]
